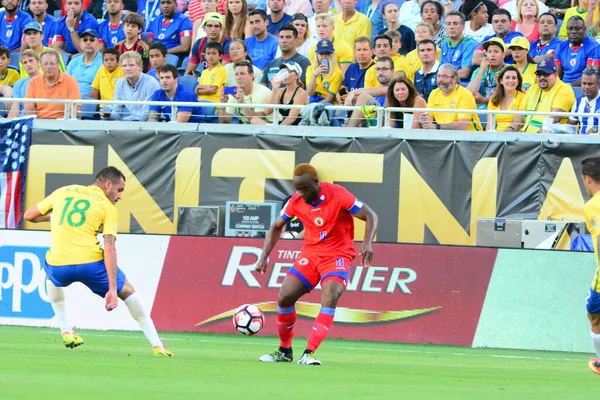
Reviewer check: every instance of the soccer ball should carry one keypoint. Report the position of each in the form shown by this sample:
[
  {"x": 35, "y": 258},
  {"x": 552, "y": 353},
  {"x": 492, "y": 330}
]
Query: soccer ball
[{"x": 248, "y": 319}]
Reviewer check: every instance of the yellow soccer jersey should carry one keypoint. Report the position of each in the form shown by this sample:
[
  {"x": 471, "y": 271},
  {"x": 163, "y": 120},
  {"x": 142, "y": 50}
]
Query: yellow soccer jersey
[
  {"x": 560, "y": 96},
  {"x": 343, "y": 52},
  {"x": 414, "y": 63},
  {"x": 78, "y": 214},
  {"x": 591, "y": 210},
  {"x": 216, "y": 76},
  {"x": 326, "y": 84},
  {"x": 23, "y": 74},
  {"x": 400, "y": 64},
  {"x": 348, "y": 31},
  {"x": 10, "y": 77},
  {"x": 528, "y": 74},
  {"x": 105, "y": 82},
  {"x": 460, "y": 99}
]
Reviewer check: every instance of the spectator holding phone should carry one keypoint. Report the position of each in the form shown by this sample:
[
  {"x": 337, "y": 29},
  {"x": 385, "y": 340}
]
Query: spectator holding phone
[
  {"x": 325, "y": 80},
  {"x": 290, "y": 94}
]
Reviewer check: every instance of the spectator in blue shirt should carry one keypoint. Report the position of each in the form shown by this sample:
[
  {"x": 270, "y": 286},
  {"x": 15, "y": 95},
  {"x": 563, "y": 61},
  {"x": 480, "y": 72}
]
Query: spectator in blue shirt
[
  {"x": 501, "y": 23},
  {"x": 172, "y": 91},
  {"x": 38, "y": 9},
  {"x": 135, "y": 86},
  {"x": 172, "y": 28},
  {"x": 458, "y": 49},
  {"x": 12, "y": 22},
  {"x": 547, "y": 45},
  {"x": 158, "y": 57},
  {"x": 577, "y": 52},
  {"x": 588, "y": 103},
  {"x": 111, "y": 29},
  {"x": 31, "y": 64},
  {"x": 262, "y": 46},
  {"x": 355, "y": 74},
  {"x": 426, "y": 77},
  {"x": 278, "y": 17},
  {"x": 67, "y": 31},
  {"x": 84, "y": 67}
]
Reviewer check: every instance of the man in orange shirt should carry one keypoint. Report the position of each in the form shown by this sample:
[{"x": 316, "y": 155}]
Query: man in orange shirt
[{"x": 53, "y": 84}]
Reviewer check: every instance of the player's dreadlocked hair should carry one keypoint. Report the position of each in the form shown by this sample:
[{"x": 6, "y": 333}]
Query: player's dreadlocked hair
[
  {"x": 109, "y": 174},
  {"x": 590, "y": 166},
  {"x": 305, "y": 169}
]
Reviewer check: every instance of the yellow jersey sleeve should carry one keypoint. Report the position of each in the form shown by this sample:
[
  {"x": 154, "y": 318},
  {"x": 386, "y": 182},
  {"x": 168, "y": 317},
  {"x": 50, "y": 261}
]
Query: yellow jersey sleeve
[
  {"x": 565, "y": 98},
  {"x": 335, "y": 81},
  {"x": 96, "y": 81},
  {"x": 47, "y": 205},
  {"x": 371, "y": 78},
  {"x": 465, "y": 101},
  {"x": 111, "y": 221},
  {"x": 343, "y": 52}
]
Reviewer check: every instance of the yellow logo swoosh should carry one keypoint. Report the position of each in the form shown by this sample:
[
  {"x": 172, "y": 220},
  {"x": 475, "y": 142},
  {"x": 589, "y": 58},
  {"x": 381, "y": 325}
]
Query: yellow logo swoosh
[{"x": 342, "y": 314}]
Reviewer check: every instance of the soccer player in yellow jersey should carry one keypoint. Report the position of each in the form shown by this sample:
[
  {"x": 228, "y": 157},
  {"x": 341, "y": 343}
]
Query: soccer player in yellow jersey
[
  {"x": 590, "y": 169},
  {"x": 79, "y": 213}
]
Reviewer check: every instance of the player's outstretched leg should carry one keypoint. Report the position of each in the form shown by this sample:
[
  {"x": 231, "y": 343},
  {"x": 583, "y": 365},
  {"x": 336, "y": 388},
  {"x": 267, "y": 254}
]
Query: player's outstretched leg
[
  {"x": 332, "y": 290},
  {"x": 139, "y": 313},
  {"x": 57, "y": 300},
  {"x": 291, "y": 290}
]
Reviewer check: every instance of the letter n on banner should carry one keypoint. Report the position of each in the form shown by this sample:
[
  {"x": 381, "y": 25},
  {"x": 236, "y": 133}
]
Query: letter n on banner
[{"x": 420, "y": 206}]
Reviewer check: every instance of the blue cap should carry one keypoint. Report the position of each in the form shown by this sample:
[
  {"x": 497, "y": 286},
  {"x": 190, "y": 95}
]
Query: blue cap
[
  {"x": 546, "y": 66},
  {"x": 32, "y": 26},
  {"x": 324, "y": 46},
  {"x": 91, "y": 32}
]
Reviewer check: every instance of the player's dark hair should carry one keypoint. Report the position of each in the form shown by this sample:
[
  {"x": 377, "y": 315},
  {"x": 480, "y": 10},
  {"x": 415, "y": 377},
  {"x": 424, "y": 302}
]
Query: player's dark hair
[
  {"x": 134, "y": 19},
  {"x": 4, "y": 51},
  {"x": 363, "y": 39},
  {"x": 109, "y": 174},
  {"x": 215, "y": 45},
  {"x": 291, "y": 28},
  {"x": 305, "y": 169},
  {"x": 384, "y": 37},
  {"x": 260, "y": 12},
  {"x": 386, "y": 60},
  {"x": 550, "y": 15},
  {"x": 426, "y": 41},
  {"x": 247, "y": 65},
  {"x": 590, "y": 166},
  {"x": 160, "y": 47},
  {"x": 502, "y": 11},
  {"x": 113, "y": 51},
  {"x": 169, "y": 68}
]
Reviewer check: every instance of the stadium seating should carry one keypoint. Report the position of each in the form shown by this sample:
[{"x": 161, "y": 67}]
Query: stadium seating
[
  {"x": 14, "y": 60},
  {"x": 173, "y": 60},
  {"x": 89, "y": 111},
  {"x": 189, "y": 82}
]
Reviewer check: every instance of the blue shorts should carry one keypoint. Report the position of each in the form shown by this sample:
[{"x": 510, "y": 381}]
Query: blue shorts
[
  {"x": 93, "y": 275},
  {"x": 592, "y": 303}
]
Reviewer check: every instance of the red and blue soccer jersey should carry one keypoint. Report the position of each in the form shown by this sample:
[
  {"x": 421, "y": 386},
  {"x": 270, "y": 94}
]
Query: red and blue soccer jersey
[
  {"x": 11, "y": 31},
  {"x": 328, "y": 222},
  {"x": 61, "y": 32},
  {"x": 575, "y": 59},
  {"x": 110, "y": 35},
  {"x": 170, "y": 33}
]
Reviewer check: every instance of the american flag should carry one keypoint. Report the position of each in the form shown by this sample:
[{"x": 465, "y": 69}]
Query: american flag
[{"x": 15, "y": 137}]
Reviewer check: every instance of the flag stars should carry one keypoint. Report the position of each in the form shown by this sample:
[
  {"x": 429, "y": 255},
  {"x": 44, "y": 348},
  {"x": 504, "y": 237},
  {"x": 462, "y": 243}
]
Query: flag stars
[{"x": 14, "y": 165}]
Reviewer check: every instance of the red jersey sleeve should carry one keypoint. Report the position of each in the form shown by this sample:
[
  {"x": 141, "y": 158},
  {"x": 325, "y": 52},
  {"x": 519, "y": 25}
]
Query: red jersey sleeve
[
  {"x": 287, "y": 213},
  {"x": 348, "y": 201}
]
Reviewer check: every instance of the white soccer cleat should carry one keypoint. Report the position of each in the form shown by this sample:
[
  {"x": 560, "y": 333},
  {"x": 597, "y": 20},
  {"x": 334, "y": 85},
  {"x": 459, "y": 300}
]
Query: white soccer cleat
[
  {"x": 307, "y": 359},
  {"x": 276, "y": 356}
]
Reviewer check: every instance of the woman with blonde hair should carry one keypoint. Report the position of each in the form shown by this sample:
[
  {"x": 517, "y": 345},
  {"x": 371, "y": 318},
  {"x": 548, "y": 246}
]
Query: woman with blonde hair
[
  {"x": 507, "y": 96},
  {"x": 237, "y": 25},
  {"x": 527, "y": 19},
  {"x": 324, "y": 81}
]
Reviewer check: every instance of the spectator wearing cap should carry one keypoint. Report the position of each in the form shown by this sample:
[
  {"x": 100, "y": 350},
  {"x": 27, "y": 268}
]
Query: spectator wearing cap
[
  {"x": 52, "y": 84},
  {"x": 111, "y": 29},
  {"x": 450, "y": 95},
  {"x": 287, "y": 39},
  {"x": 523, "y": 61},
  {"x": 213, "y": 26},
  {"x": 38, "y": 9},
  {"x": 325, "y": 79},
  {"x": 31, "y": 64},
  {"x": 588, "y": 104},
  {"x": 247, "y": 92},
  {"x": 576, "y": 53},
  {"x": 289, "y": 92},
  {"x": 458, "y": 49},
  {"x": 501, "y": 23},
  {"x": 86, "y": 66},
  {"x": 135, "y": 86},
  {"x": 350, "y": 24},
  {"x": 547, "y": 45},
  {"x": 261, "y": 46},
  {"x": 550, "y": 94},
  {"x": 12, "y": 23},
  {"x": 483, "y": 82},
  {"x": 34, "y": 41},
  {"x": 277, "y": 17},
  {"x": 68, "y": 30},
  {"x": 343, "y": 52},
  {"x": 171, "y": 91},
  {"x": 171, "y": 28}
]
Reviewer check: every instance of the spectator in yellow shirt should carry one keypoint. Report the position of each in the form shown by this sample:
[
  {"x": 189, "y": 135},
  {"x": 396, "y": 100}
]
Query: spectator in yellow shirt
[
  {"x": 350, "y": 24},
  {"x": 8, "y": 76},
  {"x": 423, "y": 31},
  {"x": 519, "y": 46},
  {"x": 549, "y": 94},
  {"x": 325, "y": 80},
  {"x": 506, "y": 97},
  {"x": 214, "y": 77},
  {"x": 382, "y": 47},
  {"x": 450, "y": 95},
  {"x": 343, "y": 52},
  {"x": 103, "y": 85}
]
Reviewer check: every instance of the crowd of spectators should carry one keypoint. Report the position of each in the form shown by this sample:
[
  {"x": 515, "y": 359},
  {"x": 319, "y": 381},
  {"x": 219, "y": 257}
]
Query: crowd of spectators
[{"x": 464, "y": 55}]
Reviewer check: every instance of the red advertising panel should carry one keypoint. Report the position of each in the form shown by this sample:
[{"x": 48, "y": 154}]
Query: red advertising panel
[{"x": 412, "y": 293}]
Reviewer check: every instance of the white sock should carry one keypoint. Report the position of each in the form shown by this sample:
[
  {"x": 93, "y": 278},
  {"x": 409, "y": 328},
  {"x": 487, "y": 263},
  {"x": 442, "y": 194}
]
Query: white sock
[
  {"x": 596, "y": 342},
  {"x": 138, "y": 312},
  {"x": 57, "y": 300}
]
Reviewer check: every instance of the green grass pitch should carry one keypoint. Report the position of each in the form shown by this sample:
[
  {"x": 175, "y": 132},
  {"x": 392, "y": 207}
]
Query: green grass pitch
[{"x": 34, "y": 364}]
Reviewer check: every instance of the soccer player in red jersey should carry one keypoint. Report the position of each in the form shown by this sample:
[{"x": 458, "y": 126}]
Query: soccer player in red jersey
[{"x": 327, "y": 212}]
